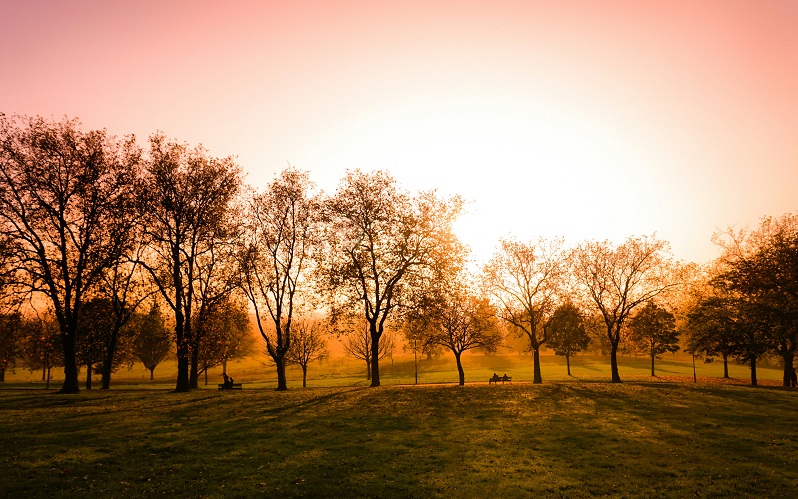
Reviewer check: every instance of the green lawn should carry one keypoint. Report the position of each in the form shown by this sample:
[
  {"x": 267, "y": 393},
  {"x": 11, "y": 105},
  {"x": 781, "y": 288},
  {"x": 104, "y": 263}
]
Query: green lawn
[{"x": 565, "y": 438}]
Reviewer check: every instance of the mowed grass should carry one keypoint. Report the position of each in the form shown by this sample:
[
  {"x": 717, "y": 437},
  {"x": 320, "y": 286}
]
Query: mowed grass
[{"x": 560, "y": 439}]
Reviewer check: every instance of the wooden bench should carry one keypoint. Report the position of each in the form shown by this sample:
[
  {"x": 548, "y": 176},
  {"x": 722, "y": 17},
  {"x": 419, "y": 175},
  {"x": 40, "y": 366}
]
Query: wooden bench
[
  {"x": 234, "y": 386},
  {"x": 496, "y": 379}
]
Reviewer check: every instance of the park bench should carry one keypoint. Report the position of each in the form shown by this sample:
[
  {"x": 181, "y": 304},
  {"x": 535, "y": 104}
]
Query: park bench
[
  {"x": 496, "y": 378},
  {"x": 234, "y": 386}
]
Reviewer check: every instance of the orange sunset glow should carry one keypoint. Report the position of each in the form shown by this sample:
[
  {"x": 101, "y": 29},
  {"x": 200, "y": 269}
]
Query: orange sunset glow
[{"x": 585, "y": 119}]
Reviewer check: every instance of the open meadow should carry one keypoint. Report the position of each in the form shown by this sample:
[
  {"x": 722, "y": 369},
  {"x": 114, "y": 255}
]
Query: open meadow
[{"x": 567, "y": 437}]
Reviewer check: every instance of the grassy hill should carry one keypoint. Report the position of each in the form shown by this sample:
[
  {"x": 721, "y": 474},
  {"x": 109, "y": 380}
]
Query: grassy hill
[{"x": 565, "y": 438}]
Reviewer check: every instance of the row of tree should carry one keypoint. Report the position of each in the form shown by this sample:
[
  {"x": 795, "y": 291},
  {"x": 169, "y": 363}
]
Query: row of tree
[{"x": 93, "y": 226}]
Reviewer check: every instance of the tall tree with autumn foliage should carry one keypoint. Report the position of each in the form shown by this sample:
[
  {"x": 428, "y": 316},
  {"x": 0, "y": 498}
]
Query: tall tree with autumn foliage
[{"x": 381, "y": 242}]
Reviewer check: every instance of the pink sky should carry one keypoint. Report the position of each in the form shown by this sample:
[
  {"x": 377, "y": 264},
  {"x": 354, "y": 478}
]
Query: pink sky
[{"x": 580, "y": 119}]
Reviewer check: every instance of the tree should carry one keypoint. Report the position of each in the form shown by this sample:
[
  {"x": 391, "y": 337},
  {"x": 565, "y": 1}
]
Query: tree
[
  {"x": 710, "y": 329},
  {"x": 94, "y": 329},
  {"x": 152, "y": 341},
  {"x": 617, "y": 279},
  {"x": 65, "y": 203},
  {"x": 10, "y": 339},
  {"x": 462, "y": 321},
  {"x": 567, "y": 333},
  {"x": 653, "y": 330},
  {"x": 307, "y": 345},
  {"x": 282, "y": 230},
  {"x": 42, "y": 348},
  {"x": 380, "y": 242},
  {"x": 124, "y": 288},
  {"x": 761, "y": 266},
  {"x": 525, "y": 279},
  {"x": 216, "y": 306},
  {"x": 226, "y": 335},
  {"x": 185, "y": 197},
  {"x": 357, "y": 344}
]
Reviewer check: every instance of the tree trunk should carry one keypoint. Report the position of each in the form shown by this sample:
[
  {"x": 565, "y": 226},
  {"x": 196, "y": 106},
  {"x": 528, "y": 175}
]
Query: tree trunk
[
  {"x": 725, "y": 366},
  {"x": 616, "y": 378},
  {"x": 375, "y": 356},
  {"x": 652, "y": 363},
  {"x": 368, "y": 369},
  {"x": 788, "y": 365},
  {"x": 44, "y": 372},
  {"x": 193, "y": 376},
  {"x": 537, "y": 378},
  {"x": 753, "y": 371},
  {"x": 152, "y": 374},
  {"x": 304, "y": 375},
  {"x": 89, "y": 369},
  {"x": 71, "y": 383},
  {"x": 281, "y": 382},
  {"x": 108, "y": 363},
  {"x": 2, "y": 374},
  {"x": 206, "y": 377},
  {"x": 568, "y": 363},
  {"x": 48, "y": 378},
  {"x": 460, "y": 371}
]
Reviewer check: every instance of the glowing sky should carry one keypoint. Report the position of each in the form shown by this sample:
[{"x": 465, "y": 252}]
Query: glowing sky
[{"x": 587, "y": 120}]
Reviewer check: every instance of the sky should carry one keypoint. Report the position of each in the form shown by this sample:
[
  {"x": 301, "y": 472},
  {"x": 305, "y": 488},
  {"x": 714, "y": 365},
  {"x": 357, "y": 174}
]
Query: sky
[{"x": 578, "y": 119}]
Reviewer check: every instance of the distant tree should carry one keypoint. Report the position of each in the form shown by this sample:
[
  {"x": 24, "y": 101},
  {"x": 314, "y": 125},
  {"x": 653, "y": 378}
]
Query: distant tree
[
  {"x": 461, "y": 321},
  {"x": 653, "y": 331},
  {"x": 94, "y": 330},
  {"x": 567, "y": 333},
  {"x": 124, "y": 287},
  {"x": 357, "y": 344},
  {"x": 42, "y": 348},
  {"x": 618, "y": 279},
  {"x": 282, "y": 230},
  {"x": 226, "y": 335},
  {"x": 65, "y": 204},
  {"x": 219, "y": 328},
  {"x": 10, "y": 338},
  {"x": 185, "y": 198},
  {"x": 525, "y": 279},
  {"x": 381, "y": 242},
  {"x": 152, "y": 340},
  {"x": 308, "y": 345},
  {"x": 711, "y": 329}
]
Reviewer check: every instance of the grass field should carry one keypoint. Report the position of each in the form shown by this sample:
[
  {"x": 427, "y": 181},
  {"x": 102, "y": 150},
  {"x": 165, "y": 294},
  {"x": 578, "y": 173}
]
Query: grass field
[{"x": 566, "y": 438}]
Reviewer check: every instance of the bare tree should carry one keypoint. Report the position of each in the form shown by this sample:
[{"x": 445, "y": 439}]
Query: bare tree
[
  {"x": 185, "y": 197},
  {"x": 307, "y": 345},
  {"x": 617, "y": 279},
  {"x": 382, "y": 241},
  {"x": 526, "y": 279},
  {"x": 357, "y": 344},
  {"x": 282, "y": 231},
  {"x": 65, "y": 203}
]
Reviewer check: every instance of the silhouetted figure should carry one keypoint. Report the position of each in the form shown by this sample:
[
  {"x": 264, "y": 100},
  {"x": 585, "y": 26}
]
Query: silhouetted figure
[
  {"x": 793, "y": 378},
  {"x": 228, "y": 382},
  {"x": 495, "y": 379}
]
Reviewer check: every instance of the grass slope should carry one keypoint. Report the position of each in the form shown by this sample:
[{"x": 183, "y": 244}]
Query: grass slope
[{"x": 563, "y": 438}]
